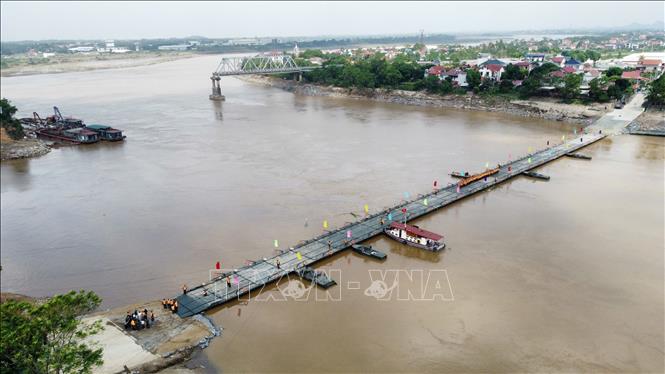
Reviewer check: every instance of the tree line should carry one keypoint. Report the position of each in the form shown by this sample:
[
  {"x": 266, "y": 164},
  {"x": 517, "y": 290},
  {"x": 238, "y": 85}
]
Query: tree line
[{"x": 405, "y": 73}]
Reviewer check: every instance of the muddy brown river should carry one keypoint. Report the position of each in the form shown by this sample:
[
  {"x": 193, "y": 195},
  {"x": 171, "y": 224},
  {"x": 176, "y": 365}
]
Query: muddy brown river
[{"x": 565, "y": 275}]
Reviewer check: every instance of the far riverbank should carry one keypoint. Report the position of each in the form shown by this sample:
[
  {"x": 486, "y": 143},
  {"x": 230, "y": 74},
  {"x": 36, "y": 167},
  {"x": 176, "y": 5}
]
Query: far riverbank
[
  {"x": 547, "y": 109},
  {"x": 78, "y": 63}
]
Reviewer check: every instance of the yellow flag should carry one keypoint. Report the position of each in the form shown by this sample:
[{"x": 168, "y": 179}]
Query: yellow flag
[
  {"x": 299, "y": 255},
  {"x": 276, "y": 243},
  {"x": 366, "y": 208},
  {"x": 529, "y": 149},
  {"x": 325, "y": 224},
  {"x": 425, "y": 201}
]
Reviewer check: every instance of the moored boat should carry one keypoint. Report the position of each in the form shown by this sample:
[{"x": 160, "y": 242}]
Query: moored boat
[
  {"x": 367, "y": 250},
  {"x": 81, "y": 135},
  {"x": 107, "y": 132},
  {"x": 318, "y": 277},
  {"x": 415, "y": 236}
]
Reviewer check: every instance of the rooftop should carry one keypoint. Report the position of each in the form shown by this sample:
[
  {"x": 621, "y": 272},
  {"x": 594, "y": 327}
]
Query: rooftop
[{"x": 416, "y": 231}]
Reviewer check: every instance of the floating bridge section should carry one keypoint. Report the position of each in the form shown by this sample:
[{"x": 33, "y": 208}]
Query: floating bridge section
[{"x": 265, "y": 271}]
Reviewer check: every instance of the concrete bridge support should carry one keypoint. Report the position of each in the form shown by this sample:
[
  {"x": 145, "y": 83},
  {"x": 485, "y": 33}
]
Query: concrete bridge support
[{"x": 216, "y": 89}]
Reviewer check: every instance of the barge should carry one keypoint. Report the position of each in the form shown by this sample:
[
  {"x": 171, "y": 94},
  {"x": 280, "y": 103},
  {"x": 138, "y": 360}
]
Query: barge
[
  {"x": 317, "y": 277},
  {"x": 107, "y": 133},
  {"x": 367, "y": 250}
]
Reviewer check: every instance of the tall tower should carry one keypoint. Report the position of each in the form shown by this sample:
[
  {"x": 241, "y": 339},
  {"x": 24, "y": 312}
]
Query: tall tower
[
  {"x": 422, "y": 36},
  {"x": 296, "y": 51}
]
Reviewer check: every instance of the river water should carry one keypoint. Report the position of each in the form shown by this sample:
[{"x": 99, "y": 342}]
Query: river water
[{"x": 552, "y": 276}]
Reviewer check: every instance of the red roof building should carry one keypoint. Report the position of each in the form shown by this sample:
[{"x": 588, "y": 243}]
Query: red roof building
[
  {"x": 569, "y": 70},
  {"x": 435, "y": 70},
  {"x": 558, "y": 74},
  {"x": 651, "y": 62},
  {"x": 635, "y": 74},
  {"x": 558, "y": 60}
]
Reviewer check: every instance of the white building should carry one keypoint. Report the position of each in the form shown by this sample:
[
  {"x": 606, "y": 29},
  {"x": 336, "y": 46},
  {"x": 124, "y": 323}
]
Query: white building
[{"x": 174, "y": 47}]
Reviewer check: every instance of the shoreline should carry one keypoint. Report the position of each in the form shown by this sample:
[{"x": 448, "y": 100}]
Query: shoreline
[
  {"x": 550, "y": 110},
  {"x": 21, "y": 149},
  {"x": 170, "y": 342},
  {"x": 77, "y": 64}
]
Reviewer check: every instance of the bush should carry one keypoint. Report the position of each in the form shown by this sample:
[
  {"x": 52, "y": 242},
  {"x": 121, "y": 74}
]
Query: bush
[{"x": 7, "y": 121}]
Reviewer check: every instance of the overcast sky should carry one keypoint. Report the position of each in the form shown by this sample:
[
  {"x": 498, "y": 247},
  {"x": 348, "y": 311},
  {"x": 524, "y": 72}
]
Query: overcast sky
[{"x": 129, "y": 20}]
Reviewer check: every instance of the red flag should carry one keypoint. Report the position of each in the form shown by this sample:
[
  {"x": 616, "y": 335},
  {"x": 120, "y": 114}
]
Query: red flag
[
  {"x": 218, "y": 265},
  {"x": 403, "y": 210}
]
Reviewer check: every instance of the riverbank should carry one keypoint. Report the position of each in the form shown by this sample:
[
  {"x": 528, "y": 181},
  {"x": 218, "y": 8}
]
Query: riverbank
[
  {"x": 164, "y": 347},
  {"x": 11, "y": 149},
  {"x": 68, "y": 63},
  {"x": 170, "y": 341},
  {"x": 547, "y": 109},
  {"x": 650, "y": 122}
]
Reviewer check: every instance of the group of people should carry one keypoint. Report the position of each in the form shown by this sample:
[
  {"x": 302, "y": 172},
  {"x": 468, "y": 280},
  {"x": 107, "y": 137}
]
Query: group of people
[
  {"x": 170, "y": 304},
  {"x": 139, "y": 320}
]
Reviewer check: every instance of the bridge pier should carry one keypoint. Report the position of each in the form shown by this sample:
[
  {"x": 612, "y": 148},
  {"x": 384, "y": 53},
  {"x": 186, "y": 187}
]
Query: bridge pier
[{"x": 216, "y": 89}]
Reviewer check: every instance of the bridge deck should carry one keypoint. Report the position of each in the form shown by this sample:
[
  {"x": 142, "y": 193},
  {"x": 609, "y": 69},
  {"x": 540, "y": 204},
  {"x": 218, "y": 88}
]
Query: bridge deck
[{"x": 265, "y": 271}]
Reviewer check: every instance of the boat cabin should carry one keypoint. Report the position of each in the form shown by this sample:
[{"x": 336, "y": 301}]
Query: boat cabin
[
  {"x": 106, "y": 132},
  {"x": 82, "y": 135},
  {"x": 415, "y": 236}
]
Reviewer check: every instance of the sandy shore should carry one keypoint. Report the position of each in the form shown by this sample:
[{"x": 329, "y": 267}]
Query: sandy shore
[
  {"x": 78, "y": 63},
  {"x": 164, "y": 347},
  {"x": 651, "y": 122},
  {"x": 547, "y": 109},
  {"x": 169, "y": 342},
  {"x": 16, "y": 149}
]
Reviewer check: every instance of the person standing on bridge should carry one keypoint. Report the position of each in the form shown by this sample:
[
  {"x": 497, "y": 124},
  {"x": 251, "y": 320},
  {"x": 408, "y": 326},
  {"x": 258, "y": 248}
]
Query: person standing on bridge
[
  {"x": 279, "y": 264},
  {"x": 184, "y": 289},
  {"x": 329, "y": 245}
]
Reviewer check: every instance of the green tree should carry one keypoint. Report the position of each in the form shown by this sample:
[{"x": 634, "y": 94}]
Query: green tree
[
  {"x": 656, "y": 92},
  {"x": 432, "y": 83},
  {"x": 8, "y": 122},
  {"x": 506, "y": 86},
  {"x": 472, "y": 78},
  {"x": 596, "y": 91},
  {"x": 571, "y": 87},
  {"x": 312, "y": 53},
  {"x": 48, "y": 337},
  {"x": 513, "y": 73},
  {"x": 614, "y": 71}
]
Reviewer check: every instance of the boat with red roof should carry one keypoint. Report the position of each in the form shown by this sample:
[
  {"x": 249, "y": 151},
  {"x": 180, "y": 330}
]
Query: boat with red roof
[{"x": 415, "y": 236}]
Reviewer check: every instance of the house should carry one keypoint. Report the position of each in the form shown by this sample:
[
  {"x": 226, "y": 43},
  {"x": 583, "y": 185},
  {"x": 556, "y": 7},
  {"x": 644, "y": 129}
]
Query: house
[
  {"x": 632, "y": 75},
  {"x": 457, "y": 76},
  {"x": 316, "y": 60},
  {"x": 535, "y": 57},
  {"x": 569, "y": 70},
  {"x": 590, "y": 75},
  {"x": 558, "y": 60},
  {"x": 573, "y": 63},
  {"x": 524, "y": 65},
  {"x": 557, "y": 74},
  {"x": 434, "y": 70},
  {"x": 491, "y": 72},
  {"x": 650, "y": 65}
]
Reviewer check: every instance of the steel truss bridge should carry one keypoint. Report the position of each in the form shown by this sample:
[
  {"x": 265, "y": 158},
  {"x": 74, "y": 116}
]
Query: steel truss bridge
[{"x": 259, "y": 64}]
